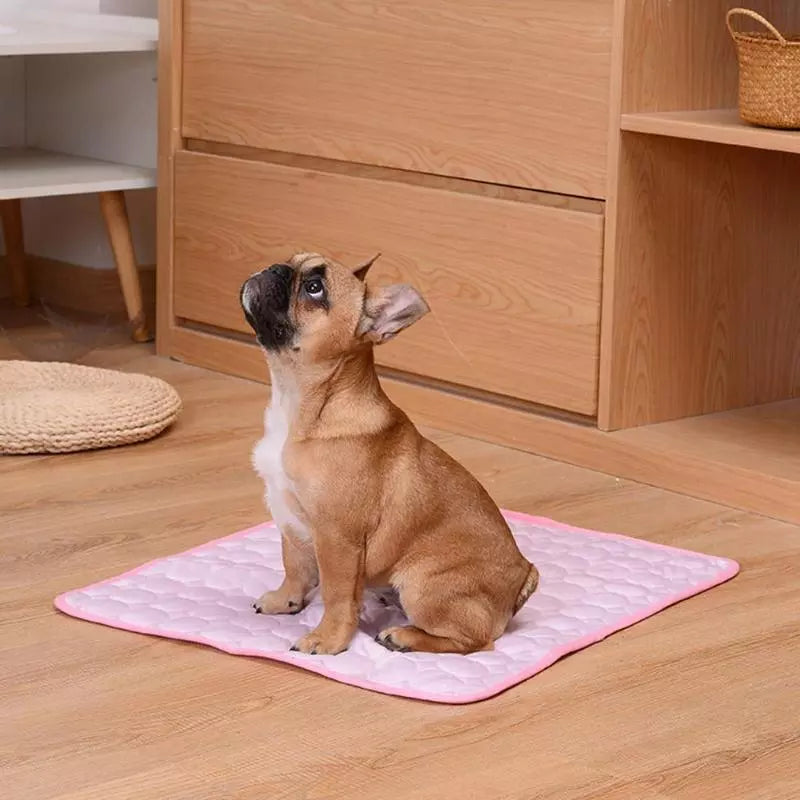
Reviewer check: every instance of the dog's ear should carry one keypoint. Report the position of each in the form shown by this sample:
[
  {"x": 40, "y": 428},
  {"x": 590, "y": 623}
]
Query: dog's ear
[
  {"x": 362, "y": 269},
  {"x": 390, "y": 310}
]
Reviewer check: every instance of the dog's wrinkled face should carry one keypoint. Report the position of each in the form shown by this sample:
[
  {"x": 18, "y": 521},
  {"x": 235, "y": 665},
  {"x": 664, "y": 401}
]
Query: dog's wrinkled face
[{"x": 313, "y": 309}]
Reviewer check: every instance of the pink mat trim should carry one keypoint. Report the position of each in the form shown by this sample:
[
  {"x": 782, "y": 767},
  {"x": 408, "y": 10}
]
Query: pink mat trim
[{"x": 305, "y": 663}]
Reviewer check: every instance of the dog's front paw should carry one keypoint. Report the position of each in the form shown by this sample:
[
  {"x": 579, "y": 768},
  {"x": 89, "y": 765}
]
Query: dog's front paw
[
  {"x": 321, "y": 643},
  {"x": 279, "y": 602}
]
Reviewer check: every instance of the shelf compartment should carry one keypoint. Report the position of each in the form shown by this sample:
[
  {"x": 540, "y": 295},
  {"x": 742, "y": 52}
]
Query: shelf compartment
[
  {"x": 720, "y": 125},
  {"x": 27, "y": 172}
]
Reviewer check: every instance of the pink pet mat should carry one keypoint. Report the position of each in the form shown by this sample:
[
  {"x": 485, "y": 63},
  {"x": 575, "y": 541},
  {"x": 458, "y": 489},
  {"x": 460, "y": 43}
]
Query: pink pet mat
[{"x": 592, "y": 584}]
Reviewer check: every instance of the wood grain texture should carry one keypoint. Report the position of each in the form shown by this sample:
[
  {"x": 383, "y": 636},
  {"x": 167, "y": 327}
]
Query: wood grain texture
[
  {"x": 694, "y": 703},
  {"x": 514, "y": 287},
  {"x": 115, "y": 216},
  {"x": 461, "y": 185},
  {"x": 678, "y": 55},
  {"x": 706, "y": 284},
  {"x": 170, "y": 71},
  {"x": 694, "y": 234},
  {"x": 721, "y": 125},
  {"x": 611, "y": 214},
  {"x": 513, "y": 93},
  {"x": 746, "y": 458}
]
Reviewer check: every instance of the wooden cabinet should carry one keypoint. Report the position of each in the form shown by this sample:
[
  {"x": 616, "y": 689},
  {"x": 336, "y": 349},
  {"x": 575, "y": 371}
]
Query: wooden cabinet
[
  {"x": 464, "y": 140},
  {"x": 512, "y": 93},
  {"x": 514, "y": 286}
]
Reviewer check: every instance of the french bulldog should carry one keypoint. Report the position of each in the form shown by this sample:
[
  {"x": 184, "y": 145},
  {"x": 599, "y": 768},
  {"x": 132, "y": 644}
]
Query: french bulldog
[{"x": 361, "y": 498}]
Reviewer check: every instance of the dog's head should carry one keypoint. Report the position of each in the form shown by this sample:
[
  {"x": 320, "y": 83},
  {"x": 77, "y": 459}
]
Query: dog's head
[{"x": 313, "y": 309}]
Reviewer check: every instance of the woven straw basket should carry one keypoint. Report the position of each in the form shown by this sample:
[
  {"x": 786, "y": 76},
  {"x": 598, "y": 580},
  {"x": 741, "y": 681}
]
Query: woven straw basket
[{"x": 769, "y": 73}]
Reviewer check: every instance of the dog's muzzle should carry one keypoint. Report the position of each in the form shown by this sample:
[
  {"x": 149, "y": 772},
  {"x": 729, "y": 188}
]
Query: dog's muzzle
[{"x": 265, "y": 298}]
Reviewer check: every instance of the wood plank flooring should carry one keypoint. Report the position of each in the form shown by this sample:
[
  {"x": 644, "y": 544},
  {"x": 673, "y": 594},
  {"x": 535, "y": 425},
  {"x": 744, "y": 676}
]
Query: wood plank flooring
[{"x": 701, "y": 701}]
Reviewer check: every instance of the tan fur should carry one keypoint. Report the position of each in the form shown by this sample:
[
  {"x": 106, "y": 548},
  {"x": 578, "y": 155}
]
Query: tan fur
[{"x": 384, "y": 506}]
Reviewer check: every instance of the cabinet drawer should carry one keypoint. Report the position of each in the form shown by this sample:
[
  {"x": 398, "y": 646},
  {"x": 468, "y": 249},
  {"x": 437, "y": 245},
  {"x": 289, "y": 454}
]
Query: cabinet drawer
[
  {"x": 514, "y": 93},
  {"x": 514, "y": 287}
]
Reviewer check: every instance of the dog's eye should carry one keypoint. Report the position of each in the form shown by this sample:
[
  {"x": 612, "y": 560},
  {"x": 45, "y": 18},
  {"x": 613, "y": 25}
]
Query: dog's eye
[{"x": 315, "y": 288}]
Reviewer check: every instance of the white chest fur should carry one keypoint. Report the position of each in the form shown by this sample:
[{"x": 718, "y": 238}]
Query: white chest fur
[{"x": 268, "y": 462}]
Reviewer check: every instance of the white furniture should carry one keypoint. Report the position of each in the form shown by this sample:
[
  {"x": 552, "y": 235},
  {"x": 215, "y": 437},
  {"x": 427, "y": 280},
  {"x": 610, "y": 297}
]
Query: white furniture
[
  {"x": 36, "y": 32},
  {"x": 31, "y": 172}
]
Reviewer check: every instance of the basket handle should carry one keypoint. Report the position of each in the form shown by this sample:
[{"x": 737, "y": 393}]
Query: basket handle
[{"x": 746, "y": 12}]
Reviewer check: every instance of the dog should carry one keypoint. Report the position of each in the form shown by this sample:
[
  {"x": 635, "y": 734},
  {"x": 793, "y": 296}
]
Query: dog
[{"x": 361, "y": 498}]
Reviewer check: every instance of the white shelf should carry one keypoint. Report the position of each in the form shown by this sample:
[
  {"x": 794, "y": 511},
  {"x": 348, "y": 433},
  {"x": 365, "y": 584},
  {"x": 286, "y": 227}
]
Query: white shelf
[
  {"x": 41, "y": 32},
  {"x": 39, "y": 173}
]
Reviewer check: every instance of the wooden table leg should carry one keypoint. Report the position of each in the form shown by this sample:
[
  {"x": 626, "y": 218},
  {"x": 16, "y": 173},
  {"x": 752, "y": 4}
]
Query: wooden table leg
[
  {"x": 115, "y": 214},
  {"x": 11, "y": 212}
]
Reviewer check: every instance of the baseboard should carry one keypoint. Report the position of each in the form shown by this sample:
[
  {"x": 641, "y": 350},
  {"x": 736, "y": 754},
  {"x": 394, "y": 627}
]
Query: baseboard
[
  {"x": 649, "y": 455},
  {"x": 83, "y": 289}
]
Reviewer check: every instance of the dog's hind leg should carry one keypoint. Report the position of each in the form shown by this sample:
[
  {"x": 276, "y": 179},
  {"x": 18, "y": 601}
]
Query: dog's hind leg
[
  {"x": 405, "y": 639},
  {"x": 459, "y": 626},
  {"x": 301, "y": 575}
]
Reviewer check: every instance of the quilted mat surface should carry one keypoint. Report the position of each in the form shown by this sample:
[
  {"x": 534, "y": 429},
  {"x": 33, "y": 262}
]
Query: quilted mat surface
[{"x": 592, "y": 584}]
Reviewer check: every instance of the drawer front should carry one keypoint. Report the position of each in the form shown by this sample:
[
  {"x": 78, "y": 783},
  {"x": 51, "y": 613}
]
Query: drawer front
[
  {"x": 513, "y": 92},
  {"x": 514, "y": 287}
]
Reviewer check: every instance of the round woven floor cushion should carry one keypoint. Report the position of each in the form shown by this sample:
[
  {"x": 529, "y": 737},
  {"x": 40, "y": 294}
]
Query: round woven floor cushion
[{"x": 52, "y": 407}]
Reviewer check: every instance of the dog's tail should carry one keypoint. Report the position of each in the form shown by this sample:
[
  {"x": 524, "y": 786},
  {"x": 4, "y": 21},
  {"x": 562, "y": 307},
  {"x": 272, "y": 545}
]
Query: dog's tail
[{"x": 528, "y": 588}]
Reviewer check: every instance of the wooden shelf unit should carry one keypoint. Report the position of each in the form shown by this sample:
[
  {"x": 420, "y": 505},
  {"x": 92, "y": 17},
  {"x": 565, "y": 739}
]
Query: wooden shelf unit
[
  {"x": 698, "y": 367},
  {"x": 720, "y": 125},
  {"x": 701, "y": 337}
]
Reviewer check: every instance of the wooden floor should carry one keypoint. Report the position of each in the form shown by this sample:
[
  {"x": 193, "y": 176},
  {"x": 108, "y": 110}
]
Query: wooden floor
[{"x": 701, "y": 701}]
